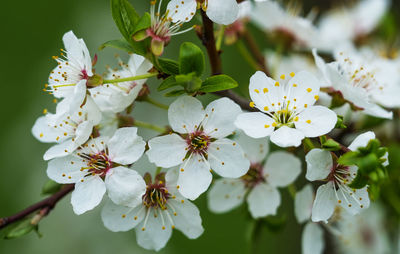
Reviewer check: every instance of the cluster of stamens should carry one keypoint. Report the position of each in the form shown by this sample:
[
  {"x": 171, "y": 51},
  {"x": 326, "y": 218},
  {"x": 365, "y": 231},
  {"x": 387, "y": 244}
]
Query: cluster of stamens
[
  {"x": 97, "y": 164},
  {"x": 359, "y": 76},
  {"x": 198, "y": 143},
  {"x": 341, "y": 177},
  {"x": 254, "y": 176},
  {"x": 156, "y": 196},
  {"x": 162, "y": 27}
]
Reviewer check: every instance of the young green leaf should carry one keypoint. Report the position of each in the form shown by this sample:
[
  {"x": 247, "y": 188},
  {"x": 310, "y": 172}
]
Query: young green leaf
[
  {"x": 143, "y": 23},
  {"x": 191, "y": 59},
  {"x": 118, "y": 44},
  {"x": 169, "y": 66},
  {"x": 218, "y": 83},
  {"x": 22, "y": 228},
  {"x": 125, "y": 17}
]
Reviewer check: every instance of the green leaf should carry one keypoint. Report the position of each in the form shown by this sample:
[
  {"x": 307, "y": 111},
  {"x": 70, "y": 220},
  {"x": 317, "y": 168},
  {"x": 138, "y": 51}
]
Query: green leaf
[
  {"x": 125, "y": 17},
  {"x": 168, "y": 83},
  {"x": 218, "y": 83},
  {"x": 50, "y": 187},
  {"x": 118, "y": 44},
  {"x": 359, "y": 182},
  {"x": 340, "y": 123},
  {"x": 22, "y": 228},
  {"x": 331, "y": 145},
  {"x": 143, "y": 23},
  {"x": 191, "y": 59},
  {"x": 189, "y": 81},
  {"x": 349, "y": 159},
  {"x": 175, "y": 93},
  {"x": 169, "y": 66}
]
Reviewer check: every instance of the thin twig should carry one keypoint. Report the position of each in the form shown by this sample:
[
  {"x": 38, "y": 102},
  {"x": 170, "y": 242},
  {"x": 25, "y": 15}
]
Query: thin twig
[
  {"x": 208, "y": 40},
  {"x": 255, "y": 51},
  {"x": 46, "y": 205}
]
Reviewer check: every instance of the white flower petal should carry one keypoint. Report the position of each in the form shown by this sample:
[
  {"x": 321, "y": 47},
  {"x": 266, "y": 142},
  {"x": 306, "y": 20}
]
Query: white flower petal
[
  {"x": 324, "y": 203},
  {"x": 316, "y": 121},
  {"x": 282, "y": 168},
  {"x": 352, "y": 200},
  {"x": 185, "y": 114},
  {"x": 227, "y": 159},
  {"x": 154, "y": 237},
  {"x": 66, "y": 169},
  {"x": 312, "y": 240},
  {"x": 264, "y": 91},
  {"x": 126, "y": 147},
  {"x": 223, "y": 12},
  {"x": 182, "y": 11},
  {"x": 286, "y": 137},
  {"x": 125, "y": 186},
  {"x": 88, "y": 194},
  {"x": 220, "y": 116},
  {"x": 263, "y": 200},
  {"x": 319, "y": 164},
  {"x": 187, "y": 218},
  {"x": 60, "y": 150},
  {"x": 121, "y": 218},
  {"x": 255, "y": 125},
  {"x": 195, "y": 177},
  {"x": 302, "y": 90},
  {"x": 83, "y": 132},
  {"x": 77, "y": 51},
  {"x": 362, "y": 140},
  {"x": 43, "y": 132},
  {"x": 255, "y": 149},
  {"x": 225, "y": 195},
  {"x": 303, "y": 203},
  {"x": 167, "y": 151}
]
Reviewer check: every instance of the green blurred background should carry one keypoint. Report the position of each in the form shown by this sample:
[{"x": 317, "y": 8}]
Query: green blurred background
[{"x": 32, "y": 32}]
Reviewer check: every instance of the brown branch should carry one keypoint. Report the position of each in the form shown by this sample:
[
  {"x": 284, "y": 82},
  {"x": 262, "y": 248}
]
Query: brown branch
[
  {"x": 208, "y": 39},
  {"x": 45, "y": 206},
  {"x": 255, "y": 51}
]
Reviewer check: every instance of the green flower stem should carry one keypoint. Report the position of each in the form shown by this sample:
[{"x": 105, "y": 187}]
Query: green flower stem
[
  {"x": 308, "y": 144},
  {"x": 158, "y": 170},
  {"x": 292, "y": 190},
  {"x": 156, "y": 103},
  {"x": 246, "y": 55},
  {"x": 139, "y": 77},
  {"x": 149, "y": 126},
  {"x": 220, "y": 37}
]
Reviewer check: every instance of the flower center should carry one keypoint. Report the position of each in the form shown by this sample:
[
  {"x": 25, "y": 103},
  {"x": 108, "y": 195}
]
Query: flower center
[
  {"x": 156, "y": 196},
  {"x": 97, "y": 164},
  {"x": 198, "y": 142},
  {"x": 339, "y": 175},
  {"x": 254, "y": 176}
]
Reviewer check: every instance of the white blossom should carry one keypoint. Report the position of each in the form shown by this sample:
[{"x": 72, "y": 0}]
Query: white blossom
[
  {"x": 100, "y": 165},
  {"x": 287, "y": 108},
  {"x": 68, "y": 80},
  {"x": 116, "y": 97},
  {"x": 202, "y": 144},
  {"x": 68, "y": 130},
  {"x": 360, "y": 83},
  {"x": 336, "y": 192},
  {"x": 260, "y": 185},
  {"x": 162, "y": 209}
]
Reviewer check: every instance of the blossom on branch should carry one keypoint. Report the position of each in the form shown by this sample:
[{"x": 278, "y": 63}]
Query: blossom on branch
[
  {"x": 259, "y": 186},
  {"x": 287, "y": 108},
  {"x": 202, "y": 145},
  {"x": 100, "y": 165},
  {"x": 162, "y": 209}
]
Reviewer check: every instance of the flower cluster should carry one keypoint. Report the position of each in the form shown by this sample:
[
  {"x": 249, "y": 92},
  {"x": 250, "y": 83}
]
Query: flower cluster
[{"x": 232, "y": 150}]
